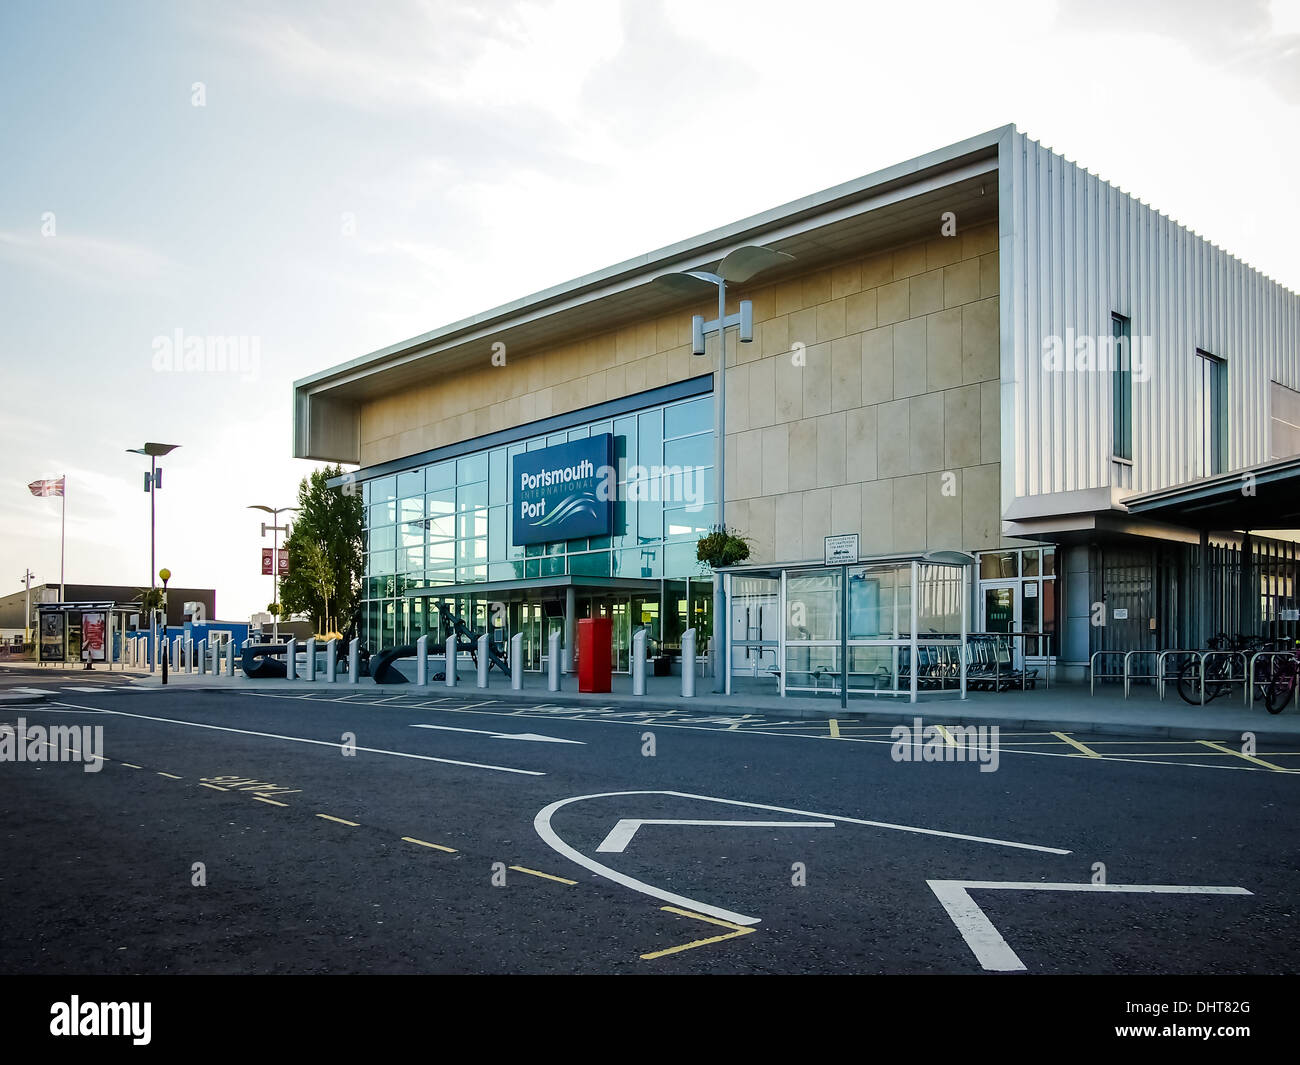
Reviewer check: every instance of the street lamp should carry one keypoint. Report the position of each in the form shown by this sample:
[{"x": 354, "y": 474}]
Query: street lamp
[
  {"x": 165, "y": 574},
  {"x": 276, "y": 529},
  {"x": 737, "y": 266},
  {"x": 27, "y": 617},
  {"x": 153, "y": 482}
]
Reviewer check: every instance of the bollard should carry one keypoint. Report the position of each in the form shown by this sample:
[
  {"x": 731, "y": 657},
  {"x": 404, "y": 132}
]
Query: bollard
[
  {"x": 422, "y": 661},
  {"x": 176, "y": 654},
  {"x": 517, "y": 661},
  {"x": 203, "y": 657},
  {"x": 688, "y": 664},
  {"x": 483, "y": 660},
  {"x": 638, "y": 662},
  {"x": 291, "y": 659},
  {"x": 189, "y": 655},
  {"x": 230, "y": 659},
  {"x": 354, "y": 659},
  {"x": 450, "y": 652},
  {"x": 311, "y": 658},
  {"x": 553, "y": 664},
  {"x": 215, "y": 646},
  {"x": 331, "y": 661}
]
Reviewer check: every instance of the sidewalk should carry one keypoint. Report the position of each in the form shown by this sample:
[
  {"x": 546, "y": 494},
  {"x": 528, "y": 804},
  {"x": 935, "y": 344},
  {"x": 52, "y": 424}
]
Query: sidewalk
[{"x": 1063, "y": 708}]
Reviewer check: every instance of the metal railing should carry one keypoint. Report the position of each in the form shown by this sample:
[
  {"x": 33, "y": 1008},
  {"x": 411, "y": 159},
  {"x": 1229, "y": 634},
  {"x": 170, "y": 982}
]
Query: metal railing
[{"x": 1250, "y": 670}]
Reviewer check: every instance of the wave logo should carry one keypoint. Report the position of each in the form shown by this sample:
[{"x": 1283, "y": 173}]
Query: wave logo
[{"x": 575, "y": 505}]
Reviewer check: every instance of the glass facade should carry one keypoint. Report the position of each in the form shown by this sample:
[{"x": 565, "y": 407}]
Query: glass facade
[{"x": 449, "y": 523}]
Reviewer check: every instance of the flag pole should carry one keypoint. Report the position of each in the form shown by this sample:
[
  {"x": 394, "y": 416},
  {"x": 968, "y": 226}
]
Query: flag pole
[{"x": 63, "y": 539}]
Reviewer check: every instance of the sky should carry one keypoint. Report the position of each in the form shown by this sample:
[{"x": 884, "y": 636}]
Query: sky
[{"x": 308, "y": 182}]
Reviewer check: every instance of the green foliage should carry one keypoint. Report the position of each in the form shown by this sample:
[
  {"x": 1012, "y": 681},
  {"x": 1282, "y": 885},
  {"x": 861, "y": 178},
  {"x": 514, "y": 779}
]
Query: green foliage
[
  {"x": 326, "y": 551},
  {"x": 722, "y": 549}
]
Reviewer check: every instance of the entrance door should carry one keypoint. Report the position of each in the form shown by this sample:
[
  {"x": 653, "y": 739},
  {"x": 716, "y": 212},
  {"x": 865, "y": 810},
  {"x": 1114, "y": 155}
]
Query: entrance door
[{"x": 1001, "y": 605}]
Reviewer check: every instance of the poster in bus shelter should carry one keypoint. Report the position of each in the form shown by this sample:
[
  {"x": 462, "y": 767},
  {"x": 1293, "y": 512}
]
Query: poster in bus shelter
[
  {"x": 53, "y": 632},
  {"x": 92, "y": 636}
]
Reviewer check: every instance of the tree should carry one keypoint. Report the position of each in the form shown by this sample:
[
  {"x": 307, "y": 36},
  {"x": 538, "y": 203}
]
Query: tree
[{"x": 326, "y": 550}]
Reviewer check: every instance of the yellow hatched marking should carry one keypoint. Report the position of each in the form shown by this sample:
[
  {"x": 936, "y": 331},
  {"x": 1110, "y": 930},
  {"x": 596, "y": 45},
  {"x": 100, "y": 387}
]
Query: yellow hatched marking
[
  {"x": 1248, "y": 757},
  {"x": 1076, "y": 744},
  {"x": 947, "y": 736},
  {"x": 544, "y": 876},
  {"x": 835, "y": 729},
  {"x": 169, "y": 776},
  {"x": 338, "y": 820},
  {"x": 425, "y": 843},
  {"x": 269, "y": 802},
  {"x": 736, "y": 932}
]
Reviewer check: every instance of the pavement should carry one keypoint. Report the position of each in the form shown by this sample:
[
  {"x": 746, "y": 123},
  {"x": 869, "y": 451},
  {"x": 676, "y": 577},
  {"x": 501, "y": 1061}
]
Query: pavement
[{"x": 1064, "y": 707}]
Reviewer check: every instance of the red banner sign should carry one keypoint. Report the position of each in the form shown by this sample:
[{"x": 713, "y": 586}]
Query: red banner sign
[
  {"x": 282, "y": 560},
  {"x": 266, "y": 562}
]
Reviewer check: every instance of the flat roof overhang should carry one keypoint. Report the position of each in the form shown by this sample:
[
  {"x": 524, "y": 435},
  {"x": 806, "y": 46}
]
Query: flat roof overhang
[
  {"x": 1266, "y": 496},
  {"x": 530, "y": 585},
  {"x": 894, "y": 206}
]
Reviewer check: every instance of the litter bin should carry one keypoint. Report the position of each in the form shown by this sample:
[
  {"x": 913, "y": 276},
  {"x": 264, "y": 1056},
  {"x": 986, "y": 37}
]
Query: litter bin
[{"x": 595, "y": 647}]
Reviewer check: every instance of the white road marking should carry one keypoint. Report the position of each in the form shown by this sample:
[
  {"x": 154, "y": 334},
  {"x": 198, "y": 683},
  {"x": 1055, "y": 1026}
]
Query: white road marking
[
  {"x": 319, "y": 743},
  {"x": 990, "y": 949},
  {"x": 542, "y": 825},
  {"x": 90, "y": 691},
  {"x": 502, "y": 735},
  {"x": 621, "y": 834},
  {"x": 31, "y": 691}
]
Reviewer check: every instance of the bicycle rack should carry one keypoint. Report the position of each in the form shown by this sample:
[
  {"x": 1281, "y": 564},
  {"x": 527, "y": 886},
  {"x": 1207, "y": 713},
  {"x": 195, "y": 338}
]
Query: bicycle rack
[
  {"x": 1093, "y": 675},
  {"x": 1250, "y": 671},
  {"x": 1163, "y": 675},
  {"x": 1224, "y": 680},
  {"x": 1130, "y": 676}
]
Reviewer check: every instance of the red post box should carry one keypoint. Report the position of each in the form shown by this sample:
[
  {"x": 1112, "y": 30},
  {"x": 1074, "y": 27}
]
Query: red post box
[{"x": 595, "y": 653}]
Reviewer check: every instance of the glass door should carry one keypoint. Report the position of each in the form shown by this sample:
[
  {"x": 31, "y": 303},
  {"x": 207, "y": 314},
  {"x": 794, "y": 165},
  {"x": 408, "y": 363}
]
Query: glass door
[{"x": 1001, "y": 605}]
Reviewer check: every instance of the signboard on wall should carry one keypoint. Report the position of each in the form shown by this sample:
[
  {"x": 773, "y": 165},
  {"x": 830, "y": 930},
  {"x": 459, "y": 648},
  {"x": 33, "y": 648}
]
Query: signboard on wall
[
  {"x": 841, "y": 550},
  {"x": 53, "y": 632},
  {"x": 563, "y": 492},
  {"x": 92, "y": 636}
]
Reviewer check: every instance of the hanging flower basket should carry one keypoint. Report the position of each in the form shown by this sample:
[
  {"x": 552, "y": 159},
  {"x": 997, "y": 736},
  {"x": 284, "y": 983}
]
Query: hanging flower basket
[{"x": 722, "y": 549}]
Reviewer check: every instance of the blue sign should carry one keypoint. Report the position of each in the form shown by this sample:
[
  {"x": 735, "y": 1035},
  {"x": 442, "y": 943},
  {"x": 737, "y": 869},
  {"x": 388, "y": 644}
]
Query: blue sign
[{"x": 563, "y": 492}]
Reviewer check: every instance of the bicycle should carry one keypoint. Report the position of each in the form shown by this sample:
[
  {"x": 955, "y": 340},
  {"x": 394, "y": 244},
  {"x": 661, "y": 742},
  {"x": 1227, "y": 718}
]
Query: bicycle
[
  {"x": 1282, "y": 683},
  {"x": 1222, "y": 672}
]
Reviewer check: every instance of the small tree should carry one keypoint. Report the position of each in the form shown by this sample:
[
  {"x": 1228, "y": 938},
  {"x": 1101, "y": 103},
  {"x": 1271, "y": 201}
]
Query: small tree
[{"x": 325, "y": 548}]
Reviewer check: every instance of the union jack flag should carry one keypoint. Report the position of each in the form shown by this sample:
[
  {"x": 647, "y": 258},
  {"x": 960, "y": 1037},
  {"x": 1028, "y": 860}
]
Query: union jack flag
[{"x": 47, "y": 488}]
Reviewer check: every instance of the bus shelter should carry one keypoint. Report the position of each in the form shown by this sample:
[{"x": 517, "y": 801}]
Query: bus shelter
[
  {"x": 91, "y": 631},
  {"x": 891, "y": 626}
]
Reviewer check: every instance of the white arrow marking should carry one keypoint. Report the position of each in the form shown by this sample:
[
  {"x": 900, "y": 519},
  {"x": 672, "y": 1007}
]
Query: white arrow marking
[
  {"x": 503, "y": 735},
  {"x": 621, "y": 834},
  {"x": 542, "y": 825},
  {"x": 991, "y": 950}
]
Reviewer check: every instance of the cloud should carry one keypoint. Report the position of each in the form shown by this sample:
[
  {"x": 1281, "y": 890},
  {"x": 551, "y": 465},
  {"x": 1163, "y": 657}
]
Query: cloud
[{"x": 86, "y": 260}]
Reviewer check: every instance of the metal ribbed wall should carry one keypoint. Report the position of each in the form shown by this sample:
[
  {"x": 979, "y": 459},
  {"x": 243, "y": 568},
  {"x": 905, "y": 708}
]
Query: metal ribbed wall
[{"x": 1074, "y": 249}]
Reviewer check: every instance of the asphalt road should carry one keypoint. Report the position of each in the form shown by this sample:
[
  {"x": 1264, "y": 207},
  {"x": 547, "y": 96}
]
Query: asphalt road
[{"x": 464, "y": 848}]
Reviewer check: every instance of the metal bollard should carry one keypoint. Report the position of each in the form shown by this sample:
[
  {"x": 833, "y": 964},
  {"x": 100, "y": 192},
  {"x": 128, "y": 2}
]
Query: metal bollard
[
  {"x": 354, "y": 659},
  {"x": 176, "y": 654},
  {"x": 422, "y": 661},
  {"x": 215, "y": 645},
  {"x": 291, "y": 659},
  {"x": 331, "y": 661},
  {"x": 203, "y": 656},
  {"x": 311, "y": 658},
  {"x": 553, "y": 664},
  {"x": 230, "y": 658},
  {"x": 189, "y": 655},
  {"x": 450, "y": 652},
  {"x": 638, "y": 662},
  {"x": 483, "y": 660},
  {"x": 688, "y": 664},
  {"x": 517, "y": 661}
]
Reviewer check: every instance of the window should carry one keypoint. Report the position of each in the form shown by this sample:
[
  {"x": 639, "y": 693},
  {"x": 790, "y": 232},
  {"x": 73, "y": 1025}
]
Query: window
[
  {"x": 1210, "y": 415},
  {"x": 1284, "y": 421},
  {"x": 1121, "y": 389}
]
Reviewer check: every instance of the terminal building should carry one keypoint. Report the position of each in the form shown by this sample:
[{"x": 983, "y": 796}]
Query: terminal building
[{"x": 986, "y": 353}]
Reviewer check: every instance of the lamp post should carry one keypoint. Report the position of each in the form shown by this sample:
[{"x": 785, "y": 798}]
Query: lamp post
[
  {"x": 737, "y": 266},
  {"x": 153, "y": 482},
  {"x": 276, "y": 529},
  {"x": 165, "y": 574},
  {"x": 27, "y": 616}
]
